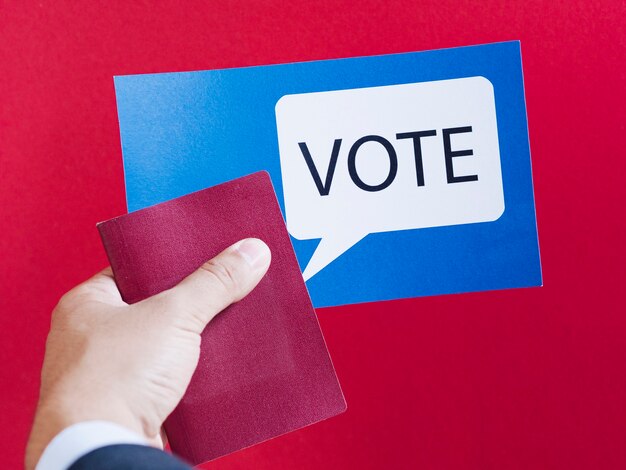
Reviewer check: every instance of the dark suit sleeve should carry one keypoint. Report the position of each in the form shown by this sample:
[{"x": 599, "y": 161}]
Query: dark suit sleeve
[{"x": 128, "y": 457}]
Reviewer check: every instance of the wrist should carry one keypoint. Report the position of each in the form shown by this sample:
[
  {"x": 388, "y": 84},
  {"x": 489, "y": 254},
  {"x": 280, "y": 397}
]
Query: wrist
[{"x": 60, "y": 409}]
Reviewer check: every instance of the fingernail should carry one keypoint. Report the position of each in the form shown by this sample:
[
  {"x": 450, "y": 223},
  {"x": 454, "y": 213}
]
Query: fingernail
[{"x": 254, "y": 251}]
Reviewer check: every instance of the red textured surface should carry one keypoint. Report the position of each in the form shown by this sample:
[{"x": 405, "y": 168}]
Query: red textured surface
[
  {"x": 532, "y": 378},
  {"x": 264, "y": 369}
]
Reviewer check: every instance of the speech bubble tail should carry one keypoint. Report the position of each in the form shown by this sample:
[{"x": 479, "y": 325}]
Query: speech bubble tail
[{"x": 328, "y": 250}]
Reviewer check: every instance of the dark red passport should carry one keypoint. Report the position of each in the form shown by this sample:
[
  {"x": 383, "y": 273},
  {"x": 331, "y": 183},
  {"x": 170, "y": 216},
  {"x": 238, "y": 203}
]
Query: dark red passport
[{"x": 264, "y": 368}]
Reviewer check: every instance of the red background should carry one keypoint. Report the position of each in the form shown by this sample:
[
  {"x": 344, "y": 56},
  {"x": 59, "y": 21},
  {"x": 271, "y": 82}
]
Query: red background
[{"x": 530, "y": 378}]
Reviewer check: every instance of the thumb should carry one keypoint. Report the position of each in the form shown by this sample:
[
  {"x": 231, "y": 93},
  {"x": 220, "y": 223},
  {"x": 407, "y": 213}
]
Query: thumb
[{"x": 225, "y": 279}]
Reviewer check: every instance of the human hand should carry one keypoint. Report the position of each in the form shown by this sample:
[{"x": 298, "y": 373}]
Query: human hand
[{"x": 131, "y": 364}]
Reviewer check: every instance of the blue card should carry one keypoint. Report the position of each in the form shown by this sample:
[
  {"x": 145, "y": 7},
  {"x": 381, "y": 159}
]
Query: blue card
[{"x": 399, "y": 176}]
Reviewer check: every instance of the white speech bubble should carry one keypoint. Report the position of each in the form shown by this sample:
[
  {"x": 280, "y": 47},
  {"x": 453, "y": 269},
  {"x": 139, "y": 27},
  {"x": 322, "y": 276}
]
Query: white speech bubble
[{"x": 358, "y": 132}]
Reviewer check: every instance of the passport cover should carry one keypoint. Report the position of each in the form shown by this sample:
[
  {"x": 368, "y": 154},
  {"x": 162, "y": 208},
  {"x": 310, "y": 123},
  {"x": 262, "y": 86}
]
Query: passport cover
[{"x": 264, "y": 369}]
